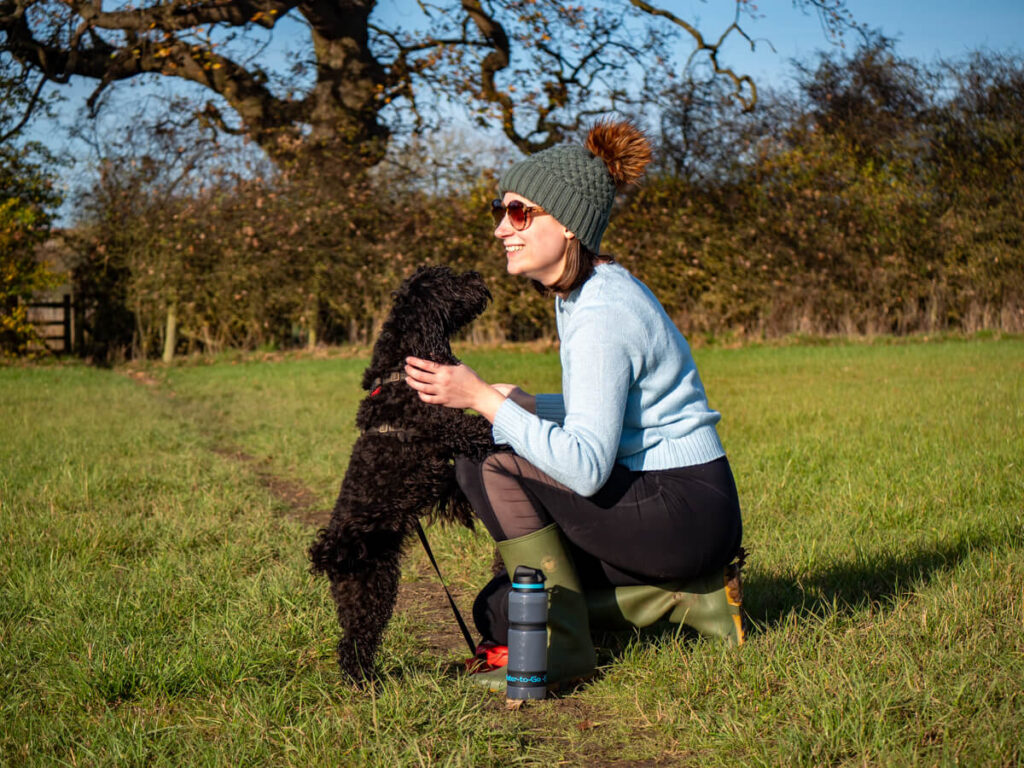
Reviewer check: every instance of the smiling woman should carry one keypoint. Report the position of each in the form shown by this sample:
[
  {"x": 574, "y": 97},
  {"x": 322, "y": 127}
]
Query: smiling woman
[{"x": 618, "y": 488}]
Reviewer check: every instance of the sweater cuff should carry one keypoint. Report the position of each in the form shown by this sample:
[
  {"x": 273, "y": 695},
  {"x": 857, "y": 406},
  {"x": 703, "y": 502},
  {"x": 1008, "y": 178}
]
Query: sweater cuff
[
  {"x": 510, "y": 422},
  {"x": 550, "y": 408}
]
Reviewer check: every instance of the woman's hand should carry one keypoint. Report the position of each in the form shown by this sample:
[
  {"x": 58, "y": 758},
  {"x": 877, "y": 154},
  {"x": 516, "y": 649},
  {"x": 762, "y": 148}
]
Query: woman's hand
[{"x": 454, "y": 386}]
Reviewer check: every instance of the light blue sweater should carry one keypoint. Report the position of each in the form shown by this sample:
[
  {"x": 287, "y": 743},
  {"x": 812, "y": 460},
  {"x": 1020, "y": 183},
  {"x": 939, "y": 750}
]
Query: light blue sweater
[{"x": 631, "y": 393}]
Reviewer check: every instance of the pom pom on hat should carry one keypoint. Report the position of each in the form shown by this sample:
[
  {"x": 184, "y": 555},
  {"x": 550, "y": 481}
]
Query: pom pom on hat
[
  {"x": 577, "y": 184},
  {"x": 623, "y": 148}
]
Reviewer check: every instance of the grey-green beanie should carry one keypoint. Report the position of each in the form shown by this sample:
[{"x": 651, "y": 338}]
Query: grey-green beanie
[{"x": 577, "y": 184}]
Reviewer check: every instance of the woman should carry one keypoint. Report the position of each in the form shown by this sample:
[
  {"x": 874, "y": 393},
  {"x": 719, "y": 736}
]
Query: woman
[{"x": 618, "y": 489}]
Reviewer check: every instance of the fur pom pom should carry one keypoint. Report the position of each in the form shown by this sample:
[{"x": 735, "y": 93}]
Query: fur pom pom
[{"x": 623, "y": 147}]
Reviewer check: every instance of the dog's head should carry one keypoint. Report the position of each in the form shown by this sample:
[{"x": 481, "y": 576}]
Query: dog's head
[
  {"x": 450, "y": 300},
  {"x": 427, "y": 308}
]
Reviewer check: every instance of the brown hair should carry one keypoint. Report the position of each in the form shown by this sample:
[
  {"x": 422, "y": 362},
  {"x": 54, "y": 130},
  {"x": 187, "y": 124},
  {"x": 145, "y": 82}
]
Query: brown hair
[{"x": 579, "y": 266}]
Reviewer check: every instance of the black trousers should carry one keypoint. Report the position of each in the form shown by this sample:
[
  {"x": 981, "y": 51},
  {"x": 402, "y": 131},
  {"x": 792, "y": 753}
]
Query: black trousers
[{"x": 640, "y": 528}]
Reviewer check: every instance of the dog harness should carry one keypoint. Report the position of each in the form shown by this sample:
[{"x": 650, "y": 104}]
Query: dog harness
[
  {"x": 380, "y": 381},
  {"x": 403, "y": 435}
]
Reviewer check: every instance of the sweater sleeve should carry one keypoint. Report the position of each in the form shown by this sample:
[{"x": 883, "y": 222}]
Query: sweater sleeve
[
  {"x": 551, "y": 407},
  {"x": 596, "y": 375}
]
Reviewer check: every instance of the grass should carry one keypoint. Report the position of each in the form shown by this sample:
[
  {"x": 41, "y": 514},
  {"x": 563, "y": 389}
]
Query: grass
[{"x": 155, "y": 606}]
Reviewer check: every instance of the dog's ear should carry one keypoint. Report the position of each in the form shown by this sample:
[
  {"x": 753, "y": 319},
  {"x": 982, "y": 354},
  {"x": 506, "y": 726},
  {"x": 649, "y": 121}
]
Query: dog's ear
[{"x": 430, "y": 339}]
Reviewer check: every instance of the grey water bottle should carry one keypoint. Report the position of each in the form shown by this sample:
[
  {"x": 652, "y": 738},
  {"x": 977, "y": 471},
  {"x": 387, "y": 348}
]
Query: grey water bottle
[{"x": 527, "y": 674}]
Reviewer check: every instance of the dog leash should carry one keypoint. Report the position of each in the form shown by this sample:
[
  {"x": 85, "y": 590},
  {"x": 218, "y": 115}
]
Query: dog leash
[
  {"x": 451, "y": 600},
  {"x": 404, "y": 435}
]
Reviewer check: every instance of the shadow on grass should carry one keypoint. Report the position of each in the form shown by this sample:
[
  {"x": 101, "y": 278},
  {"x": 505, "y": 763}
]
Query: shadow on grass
[
  {"x": 872, "y": 579},
  {"x": 770, "y": 600}
]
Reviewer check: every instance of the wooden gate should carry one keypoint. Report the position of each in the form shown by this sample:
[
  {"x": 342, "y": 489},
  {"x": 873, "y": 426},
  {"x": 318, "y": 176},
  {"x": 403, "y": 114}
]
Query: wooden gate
[{"x": 59, "y": 325}]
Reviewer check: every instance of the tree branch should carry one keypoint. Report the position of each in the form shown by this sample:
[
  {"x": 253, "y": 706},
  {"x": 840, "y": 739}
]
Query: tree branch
[
  {"x": 107, "y": 63},
  {"x": 575, "y": 59},
  {"x": 30, "y": 107},
  {"x": 180, "y": 15},
  {"x": 712, "y": 49}
]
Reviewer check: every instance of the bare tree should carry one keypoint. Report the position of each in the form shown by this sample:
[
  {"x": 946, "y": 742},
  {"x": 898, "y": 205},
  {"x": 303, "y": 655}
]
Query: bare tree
[{"x": 536, "y": 67}]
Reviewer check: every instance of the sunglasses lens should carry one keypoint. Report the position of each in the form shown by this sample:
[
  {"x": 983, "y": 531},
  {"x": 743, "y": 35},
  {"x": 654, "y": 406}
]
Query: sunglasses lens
[
  {"x": 516, "y": 214},
  {"x": 497, "y": 211}
]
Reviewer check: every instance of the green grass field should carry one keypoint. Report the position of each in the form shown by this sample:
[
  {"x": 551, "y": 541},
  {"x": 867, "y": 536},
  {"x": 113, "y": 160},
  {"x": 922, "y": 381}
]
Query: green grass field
[{"x": 156, "y": 608}]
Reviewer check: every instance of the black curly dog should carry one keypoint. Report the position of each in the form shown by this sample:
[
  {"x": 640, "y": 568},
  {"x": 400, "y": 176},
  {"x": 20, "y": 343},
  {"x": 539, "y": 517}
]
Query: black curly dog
[{"x": 401, "y": 466}]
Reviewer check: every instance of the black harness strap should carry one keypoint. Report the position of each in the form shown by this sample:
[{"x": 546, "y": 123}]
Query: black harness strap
[
  {"x": 391, "y": 378},
  {"x": 451, "y": 601},
  {"x": 401, "y": 435}
]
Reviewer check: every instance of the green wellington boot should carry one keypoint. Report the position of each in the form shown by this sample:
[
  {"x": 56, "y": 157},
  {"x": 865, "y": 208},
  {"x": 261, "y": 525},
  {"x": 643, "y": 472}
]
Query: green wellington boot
[
  {"x": 571, "y": 654},
  {"x": 712, "y": 605}
]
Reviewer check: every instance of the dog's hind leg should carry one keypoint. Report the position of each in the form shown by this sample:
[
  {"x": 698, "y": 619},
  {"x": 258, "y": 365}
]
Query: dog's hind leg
[{"x": 365, "y": 601}]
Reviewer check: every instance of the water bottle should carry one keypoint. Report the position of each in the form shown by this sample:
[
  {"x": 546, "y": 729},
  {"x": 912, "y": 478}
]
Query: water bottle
[{"x": 527, "y": 674}]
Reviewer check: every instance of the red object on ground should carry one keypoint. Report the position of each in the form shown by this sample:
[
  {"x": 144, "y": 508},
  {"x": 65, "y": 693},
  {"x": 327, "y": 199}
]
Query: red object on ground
[{"x": 488, "y": 656}]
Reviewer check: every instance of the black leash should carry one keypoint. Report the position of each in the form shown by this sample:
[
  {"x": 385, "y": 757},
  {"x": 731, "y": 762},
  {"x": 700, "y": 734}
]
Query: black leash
[{"x": 451, "y": 601}]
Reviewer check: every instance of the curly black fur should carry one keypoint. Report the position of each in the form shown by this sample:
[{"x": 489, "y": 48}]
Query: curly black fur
[{"x": 395, "y": 477}]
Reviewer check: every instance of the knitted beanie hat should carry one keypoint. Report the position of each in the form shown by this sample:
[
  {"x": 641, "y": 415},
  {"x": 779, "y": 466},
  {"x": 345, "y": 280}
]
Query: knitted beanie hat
[{"x": 577, "y": 184}]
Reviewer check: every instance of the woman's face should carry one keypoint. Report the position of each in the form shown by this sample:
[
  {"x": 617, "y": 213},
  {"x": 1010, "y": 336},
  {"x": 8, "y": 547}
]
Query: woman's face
[{"x": 538, "y": 251}]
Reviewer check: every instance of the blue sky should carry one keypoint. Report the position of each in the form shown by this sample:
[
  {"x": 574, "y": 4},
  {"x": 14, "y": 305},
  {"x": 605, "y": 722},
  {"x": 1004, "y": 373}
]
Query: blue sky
[{"x": 926, "y": 30}]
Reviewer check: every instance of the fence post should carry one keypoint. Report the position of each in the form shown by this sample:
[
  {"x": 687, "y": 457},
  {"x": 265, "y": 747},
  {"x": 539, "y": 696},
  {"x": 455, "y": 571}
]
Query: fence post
[
  {"x": 67, "y": 323},
  {"x": 79, "y": 324},
  {"x": 171, "y": 335}
]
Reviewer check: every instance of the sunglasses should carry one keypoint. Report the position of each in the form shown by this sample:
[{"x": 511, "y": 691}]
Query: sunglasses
[{"x": 518, "y": 213}]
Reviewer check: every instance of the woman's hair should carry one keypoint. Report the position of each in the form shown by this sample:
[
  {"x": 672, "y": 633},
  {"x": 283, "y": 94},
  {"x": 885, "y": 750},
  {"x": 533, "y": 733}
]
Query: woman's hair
[{"x": 579, "y": 266}]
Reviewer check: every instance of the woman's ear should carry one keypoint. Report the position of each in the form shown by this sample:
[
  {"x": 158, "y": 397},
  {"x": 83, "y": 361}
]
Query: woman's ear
[{"x": 568, "y": 235}]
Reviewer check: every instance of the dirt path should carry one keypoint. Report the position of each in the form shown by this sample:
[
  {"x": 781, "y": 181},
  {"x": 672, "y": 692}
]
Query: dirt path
[{"x": 423, "y": 599}]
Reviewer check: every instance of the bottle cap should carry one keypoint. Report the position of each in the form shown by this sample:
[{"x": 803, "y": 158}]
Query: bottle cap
[{"x": 527, "y": 578}]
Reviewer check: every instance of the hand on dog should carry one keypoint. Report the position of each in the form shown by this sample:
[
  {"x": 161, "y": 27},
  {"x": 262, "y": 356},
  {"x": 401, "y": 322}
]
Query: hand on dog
[{"x": 454, "y": 386}]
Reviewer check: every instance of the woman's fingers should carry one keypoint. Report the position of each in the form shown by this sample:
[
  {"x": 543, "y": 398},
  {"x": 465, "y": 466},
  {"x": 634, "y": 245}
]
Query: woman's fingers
[
  {"x": 423, "y": 365},
  {"x": 429, "y": 379},
  {"x": 416, "y": 384},
  {"x": 455, "y": 386},
  {"x": 420, "y": 372},
  {"x": 423, "y": 387}
]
